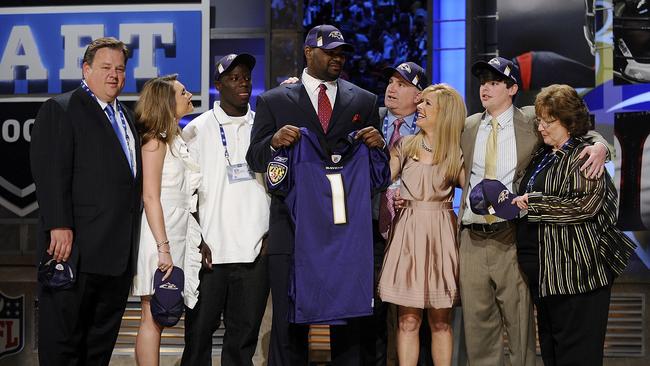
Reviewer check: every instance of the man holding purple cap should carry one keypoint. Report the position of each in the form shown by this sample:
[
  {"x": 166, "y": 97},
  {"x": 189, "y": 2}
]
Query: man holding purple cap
[
  {"x": 234, "y": 218},
  {"x": 498, "y": 144},
  {"x": 331, "y": 108}
]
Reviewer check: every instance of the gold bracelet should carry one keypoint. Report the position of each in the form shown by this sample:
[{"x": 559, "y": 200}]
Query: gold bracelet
[
  {"x": 161, "y": 243},
  {"x": 162, "y": 251}
]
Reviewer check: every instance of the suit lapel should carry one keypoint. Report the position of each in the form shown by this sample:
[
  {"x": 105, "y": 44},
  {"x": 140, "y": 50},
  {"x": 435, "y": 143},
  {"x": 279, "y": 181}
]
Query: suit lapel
[
  {"x": 467, "y": 144},
  {"x": 105, "y": 125},
  {"x": 468, "y": 140},
  {"x": 136, "y": 138},
  {"x": 525, "y": 141},
  {"x": 344, "y": 97},
  {"x": 298, "y": 94}
]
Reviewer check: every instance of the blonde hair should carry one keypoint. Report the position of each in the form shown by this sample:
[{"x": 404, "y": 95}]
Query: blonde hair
[
  {"x": 156, "y": 110},
  {"x": 450, "y": 120}
]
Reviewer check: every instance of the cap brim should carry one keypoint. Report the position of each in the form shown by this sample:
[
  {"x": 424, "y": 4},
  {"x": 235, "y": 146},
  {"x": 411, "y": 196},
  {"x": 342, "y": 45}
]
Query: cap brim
[
  {"x": 346, "y": 46},
  {"x": 389, "y": 71},
  {"x": 241, "y": 59},
  {"x": 478, "y": 66},
  {"x": 507, "y": 210},
  {"x": 482, "y": 65}
]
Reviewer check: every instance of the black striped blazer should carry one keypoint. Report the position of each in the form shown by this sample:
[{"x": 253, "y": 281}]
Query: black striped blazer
[{"x": 578, "y": 238}]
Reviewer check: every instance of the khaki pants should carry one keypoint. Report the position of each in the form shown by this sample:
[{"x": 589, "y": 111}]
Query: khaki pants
[{"x": 495, "y": 297}]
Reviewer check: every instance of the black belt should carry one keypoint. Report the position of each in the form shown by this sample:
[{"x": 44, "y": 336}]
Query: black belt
[{"x": 489, "y": 228}]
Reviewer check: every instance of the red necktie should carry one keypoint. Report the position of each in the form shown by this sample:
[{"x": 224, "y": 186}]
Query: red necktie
[
  {"x": 324, "y": 107},
  {"x": 386, "y": 209}
]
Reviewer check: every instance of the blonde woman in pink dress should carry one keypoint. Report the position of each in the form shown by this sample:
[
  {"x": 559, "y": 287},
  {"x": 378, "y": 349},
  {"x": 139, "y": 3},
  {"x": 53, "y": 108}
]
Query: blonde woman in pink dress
[{"x": 420, "y": 270}]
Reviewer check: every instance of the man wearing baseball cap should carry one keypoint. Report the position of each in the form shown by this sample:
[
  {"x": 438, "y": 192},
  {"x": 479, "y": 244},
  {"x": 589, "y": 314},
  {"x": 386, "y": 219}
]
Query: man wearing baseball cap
[
  {"x": 331, "y": 108},
  {"x": 397, "y": 119},
  {"x": 498, "y": 144},
  {"x": 234, "y": 217}
]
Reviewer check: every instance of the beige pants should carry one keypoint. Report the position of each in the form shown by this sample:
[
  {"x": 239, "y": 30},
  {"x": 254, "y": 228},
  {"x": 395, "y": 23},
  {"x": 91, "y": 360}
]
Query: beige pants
[{"x": 495, "y": 297}]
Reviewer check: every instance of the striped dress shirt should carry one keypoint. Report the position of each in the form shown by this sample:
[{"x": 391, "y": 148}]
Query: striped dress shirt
[
  {"x": 578, "y": 239},
  {"x": 506, "y": 157}
]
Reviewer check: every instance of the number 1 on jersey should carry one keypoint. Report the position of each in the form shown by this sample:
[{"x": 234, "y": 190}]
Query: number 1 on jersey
[{"x": 338, "y": 198}]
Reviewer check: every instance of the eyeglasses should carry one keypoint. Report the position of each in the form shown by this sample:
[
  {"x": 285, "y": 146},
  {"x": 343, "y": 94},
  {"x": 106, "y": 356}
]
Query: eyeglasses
[{"x": 544, "y": 124}]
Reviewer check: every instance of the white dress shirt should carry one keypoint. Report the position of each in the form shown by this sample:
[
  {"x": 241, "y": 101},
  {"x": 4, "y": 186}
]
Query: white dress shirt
[
  {"x": 130, "y": 141},
  {"x": 312, "y": 85},
  {"x": 234, "y": 217},
  {"x": 506, "y": 157}
]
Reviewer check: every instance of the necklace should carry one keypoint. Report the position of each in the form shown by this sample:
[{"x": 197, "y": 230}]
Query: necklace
[{"x": 426, "y": 147}]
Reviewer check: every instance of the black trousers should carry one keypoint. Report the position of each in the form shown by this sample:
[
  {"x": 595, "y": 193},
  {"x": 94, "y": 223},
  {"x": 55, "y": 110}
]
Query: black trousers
[
  {"x": 239, "y": 291},
  {"x": 289, "y": 345},
  {"x": 374, "y": 336},
  {"x": 79, "y": 326},
  {"x": 572, "y": 327}
]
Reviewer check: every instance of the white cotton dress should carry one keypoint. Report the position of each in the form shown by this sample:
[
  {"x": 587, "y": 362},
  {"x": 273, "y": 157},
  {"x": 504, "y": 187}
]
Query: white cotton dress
[{"x": 180, "y": 178}]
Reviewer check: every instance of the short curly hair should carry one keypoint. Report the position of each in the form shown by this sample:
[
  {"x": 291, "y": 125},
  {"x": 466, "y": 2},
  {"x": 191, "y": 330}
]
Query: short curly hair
[{"x": 562, "y": 102}]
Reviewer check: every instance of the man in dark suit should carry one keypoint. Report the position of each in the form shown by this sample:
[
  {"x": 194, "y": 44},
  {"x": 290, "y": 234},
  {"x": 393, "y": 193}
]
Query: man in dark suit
[
  {"x": 86, "y": 163},
  {"x": 331, "y": 108}
]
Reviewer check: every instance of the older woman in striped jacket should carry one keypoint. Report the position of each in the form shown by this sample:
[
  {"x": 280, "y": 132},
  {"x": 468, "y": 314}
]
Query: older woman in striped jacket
[{"x": 568, "y": 244}]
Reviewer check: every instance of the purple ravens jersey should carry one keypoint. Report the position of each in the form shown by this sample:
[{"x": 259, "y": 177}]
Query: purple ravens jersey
[{"x": 328, "y": 194}]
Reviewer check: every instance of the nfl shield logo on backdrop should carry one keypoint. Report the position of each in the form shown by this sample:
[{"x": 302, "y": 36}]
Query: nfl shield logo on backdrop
[{"x": 12, "y": 324}]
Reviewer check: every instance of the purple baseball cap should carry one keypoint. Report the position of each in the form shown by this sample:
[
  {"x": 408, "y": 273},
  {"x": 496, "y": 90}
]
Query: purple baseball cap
[
  {"x": 411, "y": 72},
  {"x": 229, "y": 62},
  {"x": 326, "y": 37},
  {"x": 500, "y": 65},
  {"x": 56, "y": 275},
  {"x": 167, "y": 301},
  {"x": 490, "y": 196}
]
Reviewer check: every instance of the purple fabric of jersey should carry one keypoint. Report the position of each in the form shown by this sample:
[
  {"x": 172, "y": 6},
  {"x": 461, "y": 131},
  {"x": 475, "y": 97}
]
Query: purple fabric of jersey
[{"x": 329, "y": 196}]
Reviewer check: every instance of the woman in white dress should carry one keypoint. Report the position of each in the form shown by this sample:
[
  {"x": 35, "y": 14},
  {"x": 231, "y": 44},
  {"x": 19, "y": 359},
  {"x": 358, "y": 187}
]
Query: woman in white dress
[{"x": 170, "y": 236}]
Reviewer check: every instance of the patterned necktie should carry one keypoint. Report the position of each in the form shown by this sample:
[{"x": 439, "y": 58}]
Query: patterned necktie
[
  {"x": 396, "y": 133},
  {"x": 324, "y": 107},
  {"x": 116, "y": 127},
  {"x": 491, "y": 150},
  {"x": 386, "y": 209}
]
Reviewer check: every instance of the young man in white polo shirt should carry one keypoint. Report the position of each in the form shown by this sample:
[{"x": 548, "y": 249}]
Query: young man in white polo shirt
[{"x": 234, "y": 219}]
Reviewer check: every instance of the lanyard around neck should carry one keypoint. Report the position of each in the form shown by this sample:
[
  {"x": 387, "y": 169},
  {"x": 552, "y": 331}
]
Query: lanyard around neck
[
  {"x": 118, "y": 111},
  {"x": 411, "y": 128},
  {"x": 224, "y": 142},
  {"x": 549, "y": 158}
]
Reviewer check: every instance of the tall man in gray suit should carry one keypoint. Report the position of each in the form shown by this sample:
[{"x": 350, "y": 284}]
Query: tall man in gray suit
[
  {"x": 86, "y": 163},
  {"x": 493, "y": 291}
]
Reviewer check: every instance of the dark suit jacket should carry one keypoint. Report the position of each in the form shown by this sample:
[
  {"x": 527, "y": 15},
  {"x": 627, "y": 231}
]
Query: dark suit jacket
[
  {"x": 290, "y": 104},
  {"x": 84, "y": 182}
]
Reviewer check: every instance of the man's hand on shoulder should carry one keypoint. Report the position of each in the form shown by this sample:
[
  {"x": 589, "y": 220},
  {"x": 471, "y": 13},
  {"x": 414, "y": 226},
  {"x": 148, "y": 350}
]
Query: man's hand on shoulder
[
  {"x": 286, "y": 136},
  {"x": 595, "y": 164},
  {"x": 60, "y": 244},
  {"x": 291, "y": 80},
  {"x": 371, "y": 137}
]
